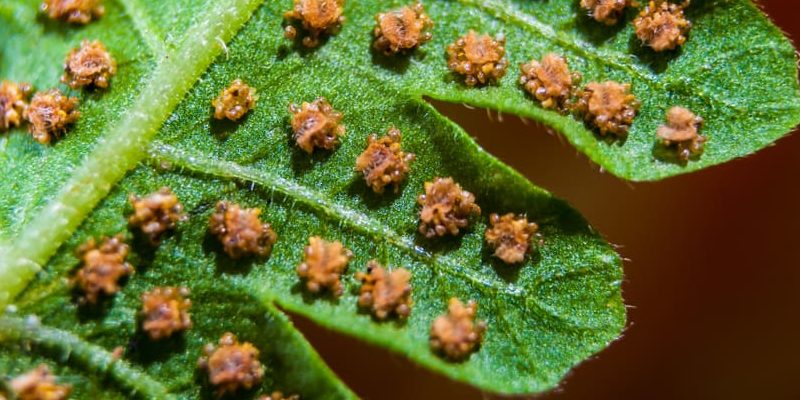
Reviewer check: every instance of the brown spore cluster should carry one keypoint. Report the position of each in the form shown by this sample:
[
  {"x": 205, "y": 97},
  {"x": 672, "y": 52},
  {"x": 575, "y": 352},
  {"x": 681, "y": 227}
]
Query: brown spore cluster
[
  {"x": 384, "y": 162},
  {"x": 316, "y": 17},
  {"x": 234, "y": 101},
  {"x": 446, "y": 208},
  {"x": 316, "y": 125},
  {"x": 156, "y": 213},
  {"x": 39, "y": 384},
  {"x": 479, "y": 58},
  {"x": 385, "y": 292},
  {"x": 456, "y": 335},
  {"x": 277, "y": 395},
  {"x": 89, "y": 65},
  {"x": 165, "y": 311},
  {"x": 682, "y": 133},
  {"x": 662, "y": 25},
  {"x": 608, "y": 106},
  {"x": 102, "y": 268},
  {"x": 49, "y": 115},
  {"x": 241, "y": 231},
  {"x": 607, "y": 12},
  {"x": 323, "y": 265},
  {"x": 232, "y": 366},
  {"x": 402, "y": 30},
  {"x": 13, "y": 103},
  {"x": 74, "y": 11},
  {"x": 510, "y": 236},
  {"x": 550, "y": 81}
]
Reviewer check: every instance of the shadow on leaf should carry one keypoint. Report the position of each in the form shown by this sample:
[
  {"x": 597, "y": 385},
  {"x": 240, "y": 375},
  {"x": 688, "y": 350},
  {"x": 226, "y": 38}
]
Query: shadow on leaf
[
  {"x": 397, "y": 64},
  {"x": 144, "y": 350},
  {"x": 309, "y": 298},
  {"x": 595, "y": 32},
  {"x": 373, "y": 201},
  {"x": 225, "y": 265},
  {"x": 224, "y": 128},
  {"x": 658, "y": 62}
]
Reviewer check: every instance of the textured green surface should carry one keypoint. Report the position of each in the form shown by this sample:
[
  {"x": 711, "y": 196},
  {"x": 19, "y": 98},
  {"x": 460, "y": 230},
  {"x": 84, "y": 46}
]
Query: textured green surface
[{"x": 154, "y": 128}]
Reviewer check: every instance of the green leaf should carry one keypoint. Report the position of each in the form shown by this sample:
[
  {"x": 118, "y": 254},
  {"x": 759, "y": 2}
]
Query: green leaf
[
  {"x": 154, "y": 128},
  {"x": 737, "y": 70},
  {"x": 94, "y": 372}
]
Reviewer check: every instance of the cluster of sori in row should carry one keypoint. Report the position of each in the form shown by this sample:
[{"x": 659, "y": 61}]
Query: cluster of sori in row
[
  {"x": 40, "y": 384},
  {"x": 233, "y": 366},
  {"x": 446, "y": 207},
  {"x": 608, "y": 106},
  {"x": 51, "y": 112}
]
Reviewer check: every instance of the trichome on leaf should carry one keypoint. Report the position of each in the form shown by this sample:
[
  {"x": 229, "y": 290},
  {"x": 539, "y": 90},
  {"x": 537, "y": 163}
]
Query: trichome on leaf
[{"x": 446, "y": 209}]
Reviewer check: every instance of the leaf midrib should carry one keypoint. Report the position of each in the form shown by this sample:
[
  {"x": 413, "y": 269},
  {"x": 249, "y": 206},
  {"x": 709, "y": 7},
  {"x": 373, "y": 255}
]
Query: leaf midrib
[
  {"x": 123, "y": 147},
  {"x": 92, "y": 357},
  {"x": 144, "y": 25}
]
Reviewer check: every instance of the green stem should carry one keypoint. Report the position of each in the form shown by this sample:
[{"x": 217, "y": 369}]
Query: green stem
[
  {"x": 92, "y": 358},
  {"x": 144, "y": 25},
  {"x": 122, "y": 148}
]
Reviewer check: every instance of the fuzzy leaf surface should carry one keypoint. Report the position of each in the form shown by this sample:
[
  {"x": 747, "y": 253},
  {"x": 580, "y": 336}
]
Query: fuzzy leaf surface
[{"x": 154, "y": 128}]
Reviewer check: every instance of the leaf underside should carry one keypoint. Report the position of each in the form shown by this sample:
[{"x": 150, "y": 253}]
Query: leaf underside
[{"x": 154, "y": 128}]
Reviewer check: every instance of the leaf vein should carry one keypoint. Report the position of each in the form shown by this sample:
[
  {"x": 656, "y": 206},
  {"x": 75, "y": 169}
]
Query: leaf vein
[
  {"x": 162, "y": 153},
  {"x": 121, "y": 149},
  {"x": 90, "y": 357},
  {"x": 142, "y": 22}
]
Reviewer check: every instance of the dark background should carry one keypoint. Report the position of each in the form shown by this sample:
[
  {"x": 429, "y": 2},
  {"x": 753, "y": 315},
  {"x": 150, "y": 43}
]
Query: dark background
[{"x": 712, "y": 277}]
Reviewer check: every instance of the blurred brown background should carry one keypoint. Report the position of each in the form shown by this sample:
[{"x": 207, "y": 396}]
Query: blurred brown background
[{"x": 713, "y": 281}]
